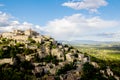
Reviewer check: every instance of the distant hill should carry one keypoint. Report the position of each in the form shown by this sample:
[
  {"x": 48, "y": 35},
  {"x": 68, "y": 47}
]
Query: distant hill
[{"x": 90, "y": 42}]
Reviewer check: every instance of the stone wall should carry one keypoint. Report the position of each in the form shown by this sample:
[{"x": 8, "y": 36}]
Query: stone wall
[
  {"x": 6, "y": 60},
  {"x": 22, "y": 35},
  {"x": 7, "y": 35}
]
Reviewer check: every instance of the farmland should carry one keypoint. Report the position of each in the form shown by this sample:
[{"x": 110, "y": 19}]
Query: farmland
[{"x": 104, "y": 55}]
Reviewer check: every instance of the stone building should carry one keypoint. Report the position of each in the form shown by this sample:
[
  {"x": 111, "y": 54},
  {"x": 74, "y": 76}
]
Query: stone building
[
  {"x": 20, "y": 35},
  {"x": 59, "y": 54},
  {"x": 69, "y": 57}
]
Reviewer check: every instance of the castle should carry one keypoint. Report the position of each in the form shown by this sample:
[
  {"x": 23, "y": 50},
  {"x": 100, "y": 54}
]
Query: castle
[{"x": 22, "y": 36}]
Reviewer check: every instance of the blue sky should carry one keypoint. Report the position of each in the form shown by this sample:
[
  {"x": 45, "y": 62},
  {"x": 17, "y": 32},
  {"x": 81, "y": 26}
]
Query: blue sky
[{"x": 64, "y": 19}]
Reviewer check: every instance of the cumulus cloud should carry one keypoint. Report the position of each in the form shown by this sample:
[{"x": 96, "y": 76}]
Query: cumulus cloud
[
  {"x": 90, "y": 5},
  {"x": 4, "y": 17},
  {"x": 77, "y": 25},
  {"x": 7, "y": 23}
]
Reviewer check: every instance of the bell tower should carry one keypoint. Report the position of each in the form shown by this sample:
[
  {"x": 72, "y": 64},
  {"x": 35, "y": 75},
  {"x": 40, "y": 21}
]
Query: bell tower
[{"x": 28, "y": 32}]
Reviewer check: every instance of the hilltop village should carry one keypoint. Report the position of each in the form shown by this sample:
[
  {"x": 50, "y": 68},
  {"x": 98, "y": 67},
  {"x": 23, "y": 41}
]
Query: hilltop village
[
  {"x": 40, "y": 55},
  {"x": 20, "y": 36}
]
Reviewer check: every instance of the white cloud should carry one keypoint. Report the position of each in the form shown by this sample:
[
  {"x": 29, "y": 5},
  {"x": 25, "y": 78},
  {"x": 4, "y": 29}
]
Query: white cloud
[
  {"x": 90, "y": 5},
  {"x": 77, "y": 25},
  {"x": 4, "y": 17},
  {"x": 97, "y": 22},
  {"x": 8, "y": 24}
]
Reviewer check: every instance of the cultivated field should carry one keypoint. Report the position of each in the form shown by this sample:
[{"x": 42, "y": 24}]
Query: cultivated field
[{"x": 108, "y": 55}]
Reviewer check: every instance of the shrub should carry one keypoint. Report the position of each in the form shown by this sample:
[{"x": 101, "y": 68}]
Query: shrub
[
  {"x": 75, "y": 55},
  {"x": 91, "y": 73},
  {"x": 66, "y": 68},
  {"x": 31, "y": 40}
]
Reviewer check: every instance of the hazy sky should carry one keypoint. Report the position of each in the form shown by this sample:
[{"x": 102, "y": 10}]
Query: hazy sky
[{"x": 64, "y": 19}]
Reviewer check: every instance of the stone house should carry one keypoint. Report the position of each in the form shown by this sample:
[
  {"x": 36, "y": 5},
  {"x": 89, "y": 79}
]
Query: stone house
[
  {"x": 70, "y": 57},
  {"x": 59, "y": 54},
  {"x": 20, "y": 35},
  {"x": 6, "y": 60}
]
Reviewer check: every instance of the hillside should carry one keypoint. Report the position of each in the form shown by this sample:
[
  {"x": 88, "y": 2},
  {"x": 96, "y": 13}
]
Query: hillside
[{"x": 27, "y": 55}]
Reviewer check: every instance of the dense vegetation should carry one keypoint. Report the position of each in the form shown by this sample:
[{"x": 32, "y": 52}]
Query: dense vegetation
[
  {"x": 91, "y": 73},
  {"x": 9, "y": 48},
  {"x": 21, "y": 71},
  {"x": 66, "y": 68}
]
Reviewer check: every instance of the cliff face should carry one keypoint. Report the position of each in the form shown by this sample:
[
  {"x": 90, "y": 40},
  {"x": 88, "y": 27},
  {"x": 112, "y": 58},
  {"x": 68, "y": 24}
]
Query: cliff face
[{"x": 47, "y": 57}]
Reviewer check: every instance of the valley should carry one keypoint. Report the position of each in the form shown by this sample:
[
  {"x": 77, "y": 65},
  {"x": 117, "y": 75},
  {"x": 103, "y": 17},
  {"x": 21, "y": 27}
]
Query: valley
[{"x": 104, "y": 55}]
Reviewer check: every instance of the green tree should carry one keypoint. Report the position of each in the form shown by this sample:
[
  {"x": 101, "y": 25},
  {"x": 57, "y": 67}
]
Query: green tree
[
  {"x": 31, "y": 40},
  {"x": 1, "y": 53},
  {"x": 91, "y": 73},
  {"x": 66, "y": 68}
]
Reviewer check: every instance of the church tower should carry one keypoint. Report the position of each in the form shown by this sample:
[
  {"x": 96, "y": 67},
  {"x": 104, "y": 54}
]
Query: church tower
[{"x": 28, "y": 32}]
